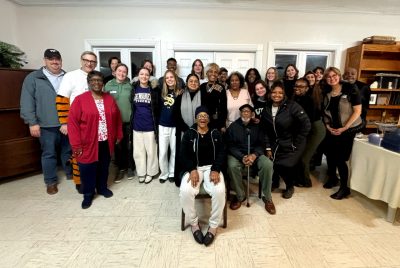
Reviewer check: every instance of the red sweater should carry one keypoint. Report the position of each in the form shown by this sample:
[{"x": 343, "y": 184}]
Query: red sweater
[{"x": 83, "y": 124}]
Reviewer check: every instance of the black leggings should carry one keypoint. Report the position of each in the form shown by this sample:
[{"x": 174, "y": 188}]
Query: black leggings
[{"x": 338, "y": 150}]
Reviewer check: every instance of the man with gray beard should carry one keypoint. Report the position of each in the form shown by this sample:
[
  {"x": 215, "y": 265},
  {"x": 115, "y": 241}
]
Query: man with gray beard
[{"x": 243, "y": 153}]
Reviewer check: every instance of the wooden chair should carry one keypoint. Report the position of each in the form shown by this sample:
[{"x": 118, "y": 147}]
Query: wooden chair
[{"x": 203, "y": 195}]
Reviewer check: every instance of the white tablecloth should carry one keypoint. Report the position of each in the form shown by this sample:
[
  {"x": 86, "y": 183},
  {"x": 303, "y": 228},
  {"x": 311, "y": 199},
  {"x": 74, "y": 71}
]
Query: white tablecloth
[{"x": 375, "y": 172}]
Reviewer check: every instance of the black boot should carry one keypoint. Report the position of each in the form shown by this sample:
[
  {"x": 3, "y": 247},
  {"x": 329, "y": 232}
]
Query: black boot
[
  {"x": 342, "y": 193},
  {"x": 87, "y": 201},
  {"x": 78, "y": 188},
  {"x": 288, "y": 193},
  {"x": 332, "y": 182}
]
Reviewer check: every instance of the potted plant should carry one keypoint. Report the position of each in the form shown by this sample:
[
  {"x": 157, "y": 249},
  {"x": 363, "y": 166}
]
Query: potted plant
[{"x": 11, "y": 56}]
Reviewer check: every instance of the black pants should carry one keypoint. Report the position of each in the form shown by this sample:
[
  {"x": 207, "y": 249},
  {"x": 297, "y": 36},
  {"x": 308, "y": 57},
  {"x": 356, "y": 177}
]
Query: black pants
[
  {"x": 94, "y": 175},
  {"x": 287, "y": 173},
  {"x": 123, "y": 154},
  {"x": 338, "y": 150}
]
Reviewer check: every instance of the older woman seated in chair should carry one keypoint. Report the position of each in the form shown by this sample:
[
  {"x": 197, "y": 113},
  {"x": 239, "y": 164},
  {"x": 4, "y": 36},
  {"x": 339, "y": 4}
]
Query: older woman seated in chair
[{"x": 202, "y": 155}]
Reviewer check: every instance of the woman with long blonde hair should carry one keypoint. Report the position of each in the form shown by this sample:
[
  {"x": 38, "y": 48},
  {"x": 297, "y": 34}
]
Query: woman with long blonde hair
[{"x": 167, "y": 127}]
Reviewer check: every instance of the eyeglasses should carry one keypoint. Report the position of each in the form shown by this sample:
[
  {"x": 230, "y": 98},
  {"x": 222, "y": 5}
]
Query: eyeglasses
[
  {"x": 331, "y": 77},
  {"x": 300, "y": 86},
  {"x": 96, "y": 80},
  {"x": 246, "y": 111},
  {"x": 89, "y": 61},
  {"x": 202, "y": 116}
]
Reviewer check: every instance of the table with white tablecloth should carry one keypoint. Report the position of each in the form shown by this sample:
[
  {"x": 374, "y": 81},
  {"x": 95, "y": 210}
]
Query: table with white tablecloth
[{"x": 375, "y": 172}]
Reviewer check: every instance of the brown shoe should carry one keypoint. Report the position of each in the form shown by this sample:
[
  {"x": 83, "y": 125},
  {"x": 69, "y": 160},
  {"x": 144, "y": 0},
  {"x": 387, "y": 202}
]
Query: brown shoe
[
  {"x": 235, "y": 203},
  {"x": 52, "y": 189},
  {"x": 270, "y": 207}
]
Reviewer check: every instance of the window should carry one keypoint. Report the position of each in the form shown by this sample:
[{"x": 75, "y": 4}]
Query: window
[
  {"x": 103, "y": 57},
  {"x": 132, "y": 57},
  {"x": 131, "y": 52},
  {"x": 305, "y": 56},
  {"x": 304, "y": 60}
]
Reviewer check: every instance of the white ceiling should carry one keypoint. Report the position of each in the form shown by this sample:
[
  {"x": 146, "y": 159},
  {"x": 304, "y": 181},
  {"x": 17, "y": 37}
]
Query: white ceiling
[{"x": 384, "y": 7}]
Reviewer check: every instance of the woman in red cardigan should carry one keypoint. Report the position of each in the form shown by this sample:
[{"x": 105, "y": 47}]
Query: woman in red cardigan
[{"x": 94, "y": 127}]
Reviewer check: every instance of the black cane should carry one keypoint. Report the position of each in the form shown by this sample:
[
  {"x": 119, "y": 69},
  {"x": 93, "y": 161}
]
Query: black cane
[{"x": 248, "y": 167}]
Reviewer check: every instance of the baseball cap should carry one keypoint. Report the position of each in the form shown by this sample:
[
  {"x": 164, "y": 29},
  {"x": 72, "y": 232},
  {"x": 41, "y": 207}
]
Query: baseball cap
[
  {"x": 246, "y": 106},
  {"x": 52, "y": 53}
]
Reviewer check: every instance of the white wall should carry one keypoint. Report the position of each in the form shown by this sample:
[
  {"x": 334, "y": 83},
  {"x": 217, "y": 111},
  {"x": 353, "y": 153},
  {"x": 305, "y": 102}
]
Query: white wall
[
  {"x": 65, "y": 28},
  {"x": 8, "y": 22}
]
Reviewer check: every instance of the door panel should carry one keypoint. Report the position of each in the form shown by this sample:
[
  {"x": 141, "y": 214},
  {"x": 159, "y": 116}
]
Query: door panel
[
  {"x": 235, "y": 61},
  {"x": 232, "y": 61},
  {"x": 186, "y": 59}
]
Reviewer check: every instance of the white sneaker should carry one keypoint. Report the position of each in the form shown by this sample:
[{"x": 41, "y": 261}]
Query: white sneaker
[
  {"x": 141, "y": 179},
  {"x": 148, "y": 179}
]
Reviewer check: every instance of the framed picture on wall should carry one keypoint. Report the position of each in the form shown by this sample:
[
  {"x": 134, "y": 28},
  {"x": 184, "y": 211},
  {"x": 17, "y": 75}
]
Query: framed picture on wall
[{"x": 372, "y": 99}]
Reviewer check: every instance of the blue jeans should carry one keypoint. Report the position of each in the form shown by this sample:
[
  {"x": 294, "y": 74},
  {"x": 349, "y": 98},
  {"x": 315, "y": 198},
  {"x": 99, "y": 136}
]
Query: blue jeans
[{"x": 52, "y": 140}]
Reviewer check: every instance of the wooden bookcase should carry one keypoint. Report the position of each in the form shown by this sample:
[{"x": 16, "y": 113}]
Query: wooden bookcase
[
  {"x": 19, "y": 152},
  {"x": 370, "y": 59}
]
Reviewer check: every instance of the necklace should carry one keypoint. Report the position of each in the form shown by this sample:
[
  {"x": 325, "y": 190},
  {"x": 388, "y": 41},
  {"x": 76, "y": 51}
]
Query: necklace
[
  {"x": 202, "y": 132},
  {"x": 236, "y": 95}
]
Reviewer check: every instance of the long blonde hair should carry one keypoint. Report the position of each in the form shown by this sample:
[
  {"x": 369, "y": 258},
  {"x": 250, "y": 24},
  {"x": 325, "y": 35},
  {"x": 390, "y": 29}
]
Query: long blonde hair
[{"x": 165, "y": 89}]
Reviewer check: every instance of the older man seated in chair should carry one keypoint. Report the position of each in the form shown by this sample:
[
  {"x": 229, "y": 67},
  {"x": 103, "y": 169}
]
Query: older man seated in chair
[{"x": 239, "y": 157}]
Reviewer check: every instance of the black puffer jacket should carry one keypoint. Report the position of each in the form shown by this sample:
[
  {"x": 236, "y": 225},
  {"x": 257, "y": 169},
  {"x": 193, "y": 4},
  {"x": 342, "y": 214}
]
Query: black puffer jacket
[{"x": 286, "y": 136}]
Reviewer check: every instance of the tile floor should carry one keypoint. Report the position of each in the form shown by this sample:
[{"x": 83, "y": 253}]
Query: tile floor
[{"x": 140, "y": 227}]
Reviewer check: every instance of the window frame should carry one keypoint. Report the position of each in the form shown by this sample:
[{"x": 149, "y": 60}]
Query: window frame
[
  {"x": 125, "y": 47},
  {"x": 333, "y": 51}
]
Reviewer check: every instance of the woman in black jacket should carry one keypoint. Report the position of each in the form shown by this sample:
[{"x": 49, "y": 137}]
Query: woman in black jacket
[
  {"x": 317, "y": 133},
  {"x": 287, "y": 126},
  {"x": 184, "y": 116},
  {"x": 202, "y": 155}
]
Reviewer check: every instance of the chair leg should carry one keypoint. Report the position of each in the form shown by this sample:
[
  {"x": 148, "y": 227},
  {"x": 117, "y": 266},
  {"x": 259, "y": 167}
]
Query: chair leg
[
  {"x": 183, "y": 221},
  {"x": 259, "y": 188},
  {"x": 225, "y": 216}
]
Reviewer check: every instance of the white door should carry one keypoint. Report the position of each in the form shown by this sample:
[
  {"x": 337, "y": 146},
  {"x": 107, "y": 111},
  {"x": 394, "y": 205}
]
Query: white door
[
  {"x": 232, "y": 61},
  {"x": 236, "y": 61},
  {"x": 186, "y": 59}
]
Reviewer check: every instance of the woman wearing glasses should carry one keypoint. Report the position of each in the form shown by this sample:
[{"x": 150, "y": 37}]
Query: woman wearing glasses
[
  {"x": 342, "y": 110},
  {"x": 202, "y": 155},
  {"x": 94, "y": 127},
  {"x": 317, "y": 133}
]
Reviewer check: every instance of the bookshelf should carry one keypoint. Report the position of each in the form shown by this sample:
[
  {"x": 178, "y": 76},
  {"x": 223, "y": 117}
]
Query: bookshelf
[{"x": 373, "y": 59}]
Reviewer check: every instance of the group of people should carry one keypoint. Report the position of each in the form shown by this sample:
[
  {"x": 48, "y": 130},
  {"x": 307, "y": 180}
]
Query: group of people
[{"x": 202, "y": 132}]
